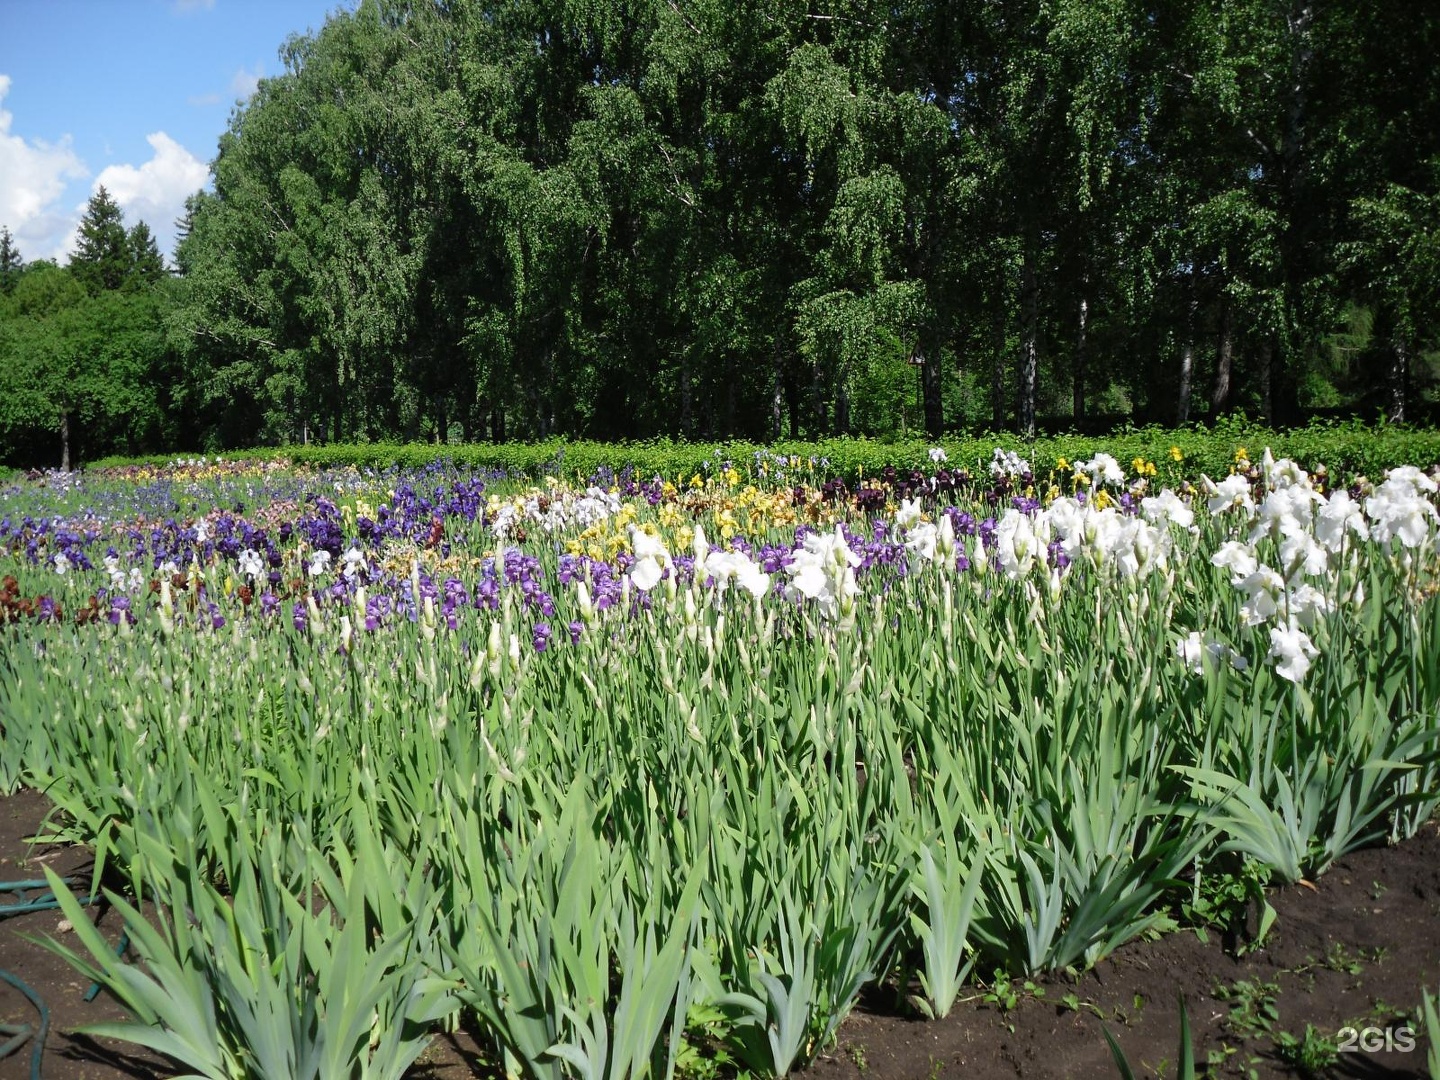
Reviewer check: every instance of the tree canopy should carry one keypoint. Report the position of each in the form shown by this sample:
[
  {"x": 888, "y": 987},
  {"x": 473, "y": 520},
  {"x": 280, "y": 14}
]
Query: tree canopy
[
  {"x": 83, "y": 356},
  {"x": 470, "y": 219}
]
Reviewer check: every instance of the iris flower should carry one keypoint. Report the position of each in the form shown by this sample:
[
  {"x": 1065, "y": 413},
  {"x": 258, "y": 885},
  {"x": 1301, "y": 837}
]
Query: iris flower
[
  {"x": 1193, "y": 649},
  {"x": 908, "y": 514},
  {"x": 1231, "y": 493},
  {"x": 354, "y": 562},
  {"x": 736, "y": 566},
  {"x": 1264, "y": 591},
  {"x": 1019, "y": 541},
  {"x": 1102, "y": 469},
  {"x": 651, "y": 559},
  {"x": 1167, "y": 507},
  {"x": 1399, "y": 510},
  {"x": 1341, "y": 514},
  {"x": 824, "y": 570},
  {"x": 251, "y": 563},
  {"x": 1292, "y": 651},
  {"x": 1236, "y": 557}
]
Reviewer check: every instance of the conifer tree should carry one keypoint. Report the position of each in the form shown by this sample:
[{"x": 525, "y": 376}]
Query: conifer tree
[
  {"x": 10, "y": 261},
  {"x": 146, "y": 266},
  {"x": 102, "y": 258}
]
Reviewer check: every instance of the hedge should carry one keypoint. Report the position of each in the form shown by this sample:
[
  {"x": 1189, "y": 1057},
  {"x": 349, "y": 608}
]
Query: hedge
[{"x": 1346, "y": 449}]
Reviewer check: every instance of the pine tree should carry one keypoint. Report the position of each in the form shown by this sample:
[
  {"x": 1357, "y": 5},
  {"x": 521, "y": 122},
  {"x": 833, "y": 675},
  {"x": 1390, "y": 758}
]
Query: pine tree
[
  {"x": 102, "y": 259},
  {"x": 10, "y": 261},
  {"x": 146, "y": 266}
]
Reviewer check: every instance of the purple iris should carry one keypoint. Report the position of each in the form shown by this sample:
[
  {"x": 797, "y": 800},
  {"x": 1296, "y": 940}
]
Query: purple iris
[
  {"x": 487, "y": 593},
  {"x": 120, "y": 609}
]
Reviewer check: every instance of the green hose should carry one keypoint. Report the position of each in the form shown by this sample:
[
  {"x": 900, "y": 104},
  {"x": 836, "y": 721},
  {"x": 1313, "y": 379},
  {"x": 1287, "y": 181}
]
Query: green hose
[
  {"x": 19, "y": 1033},
  {"x": 119, "y": 951},
  {"x": 25, "y": 907},
  {"x": 38, "y": 1050}
]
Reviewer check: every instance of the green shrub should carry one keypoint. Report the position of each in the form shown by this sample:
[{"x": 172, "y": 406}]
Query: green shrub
[{"x": 1346, "y": 450}]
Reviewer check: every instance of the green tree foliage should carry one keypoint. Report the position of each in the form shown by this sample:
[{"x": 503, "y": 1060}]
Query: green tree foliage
[
  {"x": 496, "y": 218},
  {"x": 147, "y": 268},
  {"x": 10, "y": 262},
  {"x": 77, "y": 369},
  {"x": 84, "y": 365},
  {"x": 103, "y": 257}
]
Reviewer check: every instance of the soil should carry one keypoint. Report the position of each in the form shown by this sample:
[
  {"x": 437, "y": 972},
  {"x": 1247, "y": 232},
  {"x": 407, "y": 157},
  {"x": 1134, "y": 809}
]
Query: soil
[{"x": 1353, "y": 951}]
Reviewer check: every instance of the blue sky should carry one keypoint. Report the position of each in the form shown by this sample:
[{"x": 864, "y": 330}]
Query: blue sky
[{"x": 132, "y": 94}]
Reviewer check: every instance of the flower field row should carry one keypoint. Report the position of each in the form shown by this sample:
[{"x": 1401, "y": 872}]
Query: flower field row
[{"x": 650, "y": 774}]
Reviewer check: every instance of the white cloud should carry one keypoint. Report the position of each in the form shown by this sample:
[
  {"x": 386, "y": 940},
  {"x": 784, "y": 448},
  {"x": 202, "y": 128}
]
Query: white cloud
[
  {"x": 185, "y": 7},
  {"x": 244, "y": 83},
  {"x": 33, "y": 175},
  {"x": 155, "y": 192}
]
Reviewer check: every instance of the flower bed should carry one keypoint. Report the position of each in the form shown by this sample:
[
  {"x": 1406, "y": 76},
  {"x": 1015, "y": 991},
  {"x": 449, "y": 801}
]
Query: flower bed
[{"x": 670, "y": 769}]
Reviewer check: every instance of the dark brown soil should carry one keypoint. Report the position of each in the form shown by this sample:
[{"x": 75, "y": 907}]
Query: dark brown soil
[
  {"x": 1356, "y": 950},
  {"x": 60, "y": 987}
]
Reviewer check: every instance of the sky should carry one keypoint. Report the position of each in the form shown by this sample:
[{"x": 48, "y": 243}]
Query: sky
[{"x": 130, "y": 94}]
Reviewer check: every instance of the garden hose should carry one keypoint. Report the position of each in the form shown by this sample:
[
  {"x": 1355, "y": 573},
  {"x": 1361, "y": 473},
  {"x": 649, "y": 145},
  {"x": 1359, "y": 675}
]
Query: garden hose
[
  {"x": 120, "y": 948},
  {"x": 20, "y": 1033},
  {"x": 25, "y": 907}
]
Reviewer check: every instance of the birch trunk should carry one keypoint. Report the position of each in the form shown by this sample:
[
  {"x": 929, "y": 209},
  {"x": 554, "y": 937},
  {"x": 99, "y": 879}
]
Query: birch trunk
[
  {"x": 1187, "y": 357},
  {"x": 1399, "y": 375},
  {"x": 1029, "y": 343}
]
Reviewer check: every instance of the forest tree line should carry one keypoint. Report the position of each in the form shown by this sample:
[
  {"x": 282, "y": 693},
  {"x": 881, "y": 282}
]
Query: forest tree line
[{"x": 456, "y": 219}]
